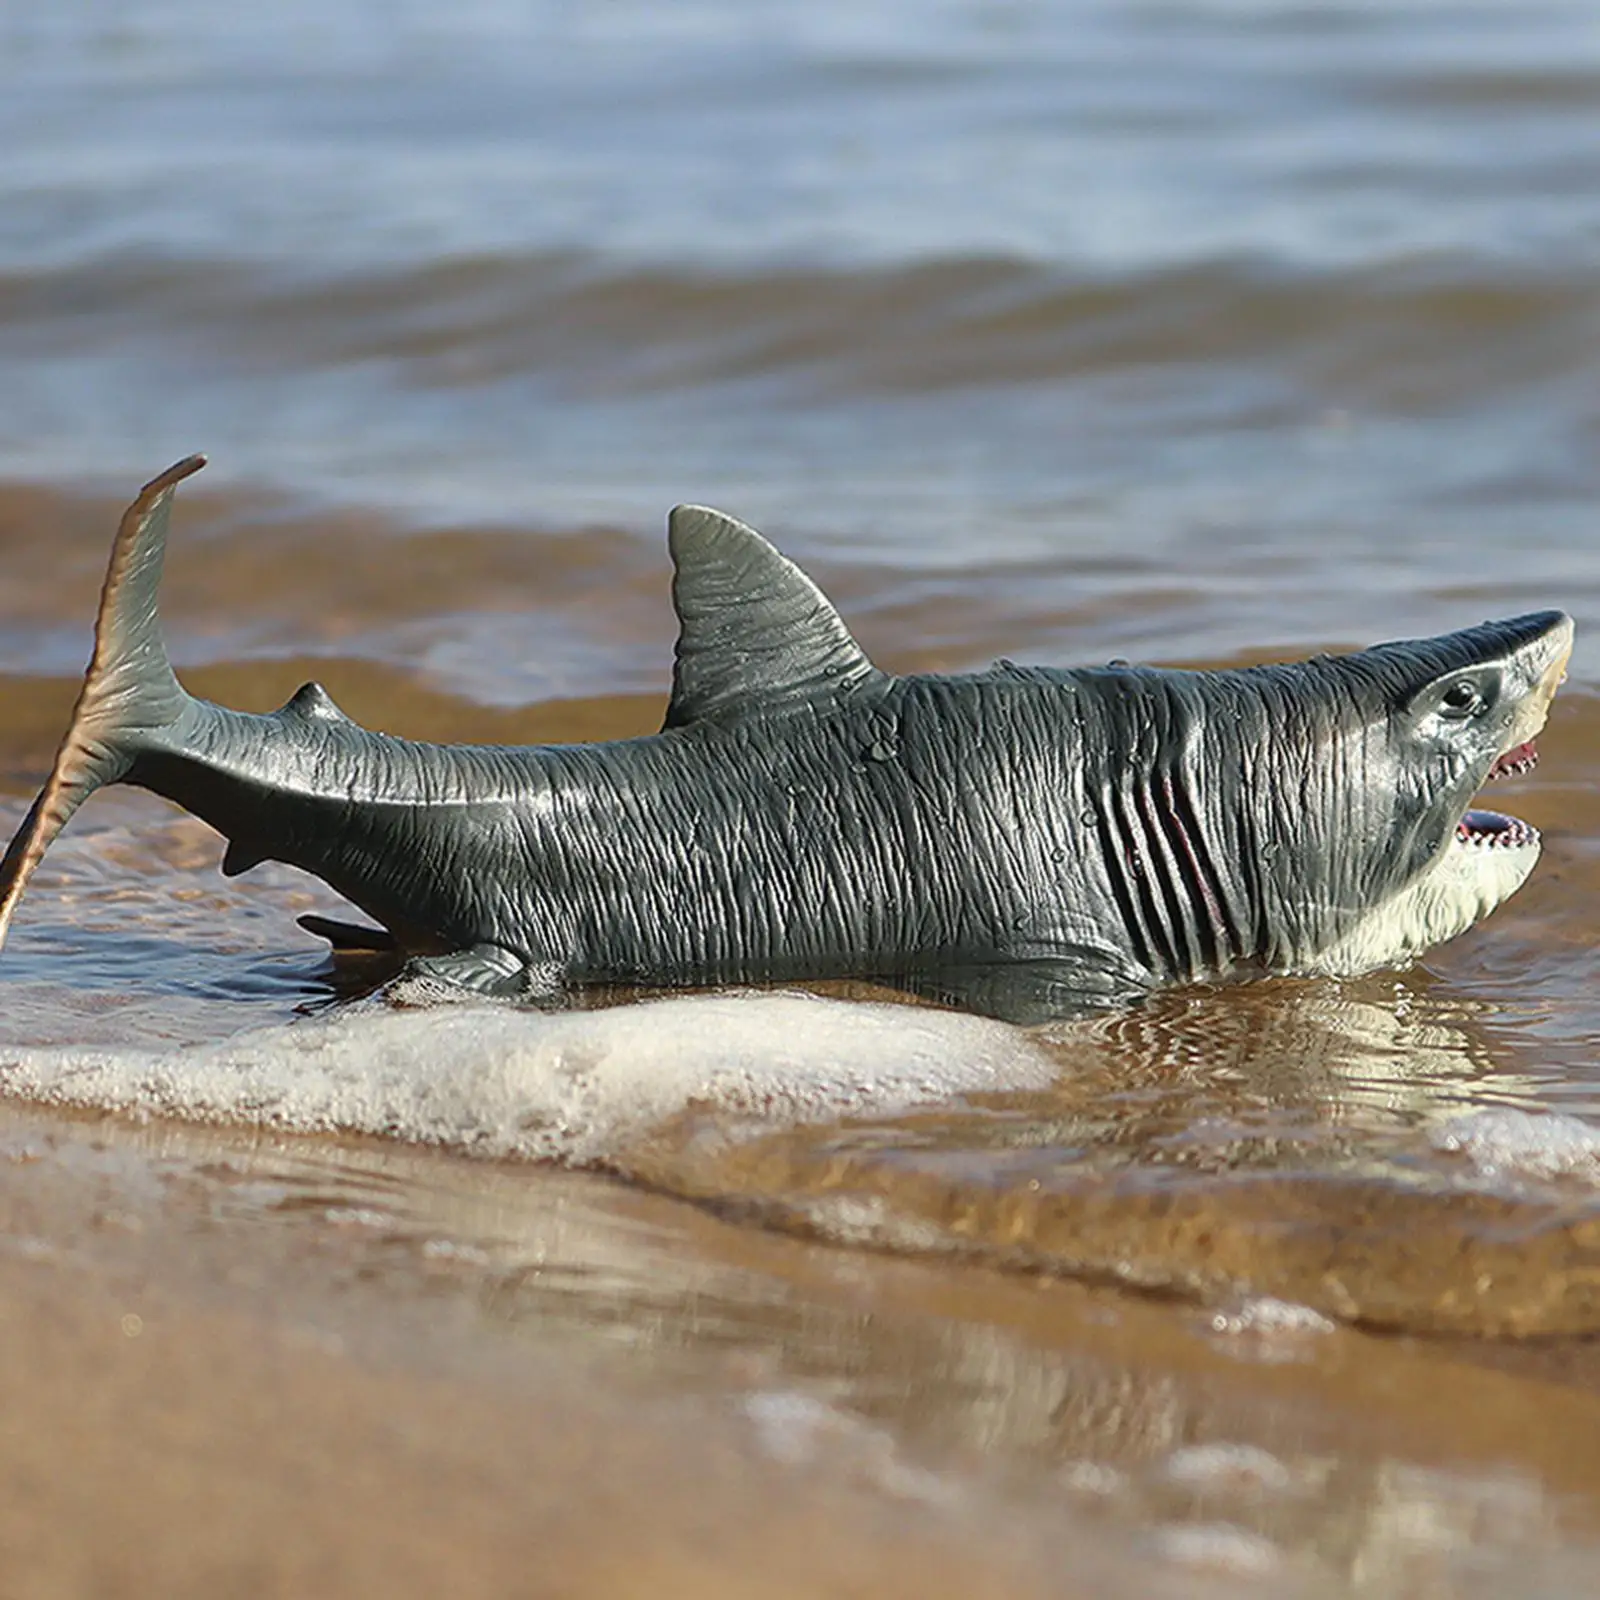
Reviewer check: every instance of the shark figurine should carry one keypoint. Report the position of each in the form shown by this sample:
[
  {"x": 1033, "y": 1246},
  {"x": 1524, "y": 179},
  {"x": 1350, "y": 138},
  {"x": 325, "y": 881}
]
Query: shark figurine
[{"x": 1027, "y": 841}]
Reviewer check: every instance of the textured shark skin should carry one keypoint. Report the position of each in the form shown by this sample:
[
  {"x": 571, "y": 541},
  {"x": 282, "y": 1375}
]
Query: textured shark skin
[{"x": 1022, "y": 840}]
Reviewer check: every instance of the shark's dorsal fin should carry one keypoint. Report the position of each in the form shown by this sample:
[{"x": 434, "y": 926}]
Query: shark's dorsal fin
[{"x": 756, "y": 635}]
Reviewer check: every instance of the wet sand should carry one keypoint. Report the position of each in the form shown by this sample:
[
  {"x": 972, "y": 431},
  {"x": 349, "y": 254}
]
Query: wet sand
[
  {"x": 192, "y": 1410},
  {"x": 263, "y": 1367}
]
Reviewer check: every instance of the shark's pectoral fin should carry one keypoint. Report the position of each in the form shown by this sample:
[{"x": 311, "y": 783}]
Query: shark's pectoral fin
[
  {"x": 1027, "y": 993},
  {"x": 348, "y": 936},
  {"x": 756, "y": 634},
  {"x": 488, "y": 970},
  {"x": 240, "y": 857}
]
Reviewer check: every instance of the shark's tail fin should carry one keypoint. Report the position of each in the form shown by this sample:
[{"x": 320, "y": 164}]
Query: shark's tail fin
[{"x": 128, "y": 692}]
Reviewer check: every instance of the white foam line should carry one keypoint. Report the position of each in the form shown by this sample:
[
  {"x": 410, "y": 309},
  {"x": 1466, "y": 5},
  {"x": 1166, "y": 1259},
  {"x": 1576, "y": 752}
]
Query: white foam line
[
  {"x": 1503, "y": 1143},
  {"x": 571, "y": 1087}
]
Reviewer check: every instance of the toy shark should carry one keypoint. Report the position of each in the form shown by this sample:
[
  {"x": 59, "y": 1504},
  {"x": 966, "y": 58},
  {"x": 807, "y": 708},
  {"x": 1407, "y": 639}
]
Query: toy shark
[{"x": 1025, "y": 840}]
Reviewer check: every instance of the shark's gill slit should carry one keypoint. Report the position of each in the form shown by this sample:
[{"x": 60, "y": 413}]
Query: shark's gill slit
[
  {"x": 1132, "y": 860},
  {"x": 1179, "y": 908},
  {"x": 1113, "y": 850},
  {"x": 1206, "y": 894},
  {"x": 1218, "y": 896}
]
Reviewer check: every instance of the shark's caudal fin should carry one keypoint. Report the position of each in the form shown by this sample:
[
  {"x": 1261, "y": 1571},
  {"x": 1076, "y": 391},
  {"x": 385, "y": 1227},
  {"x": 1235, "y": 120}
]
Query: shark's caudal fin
[
  {"x": 128, "y": 692},
  {"x": 757, "y": 635}
]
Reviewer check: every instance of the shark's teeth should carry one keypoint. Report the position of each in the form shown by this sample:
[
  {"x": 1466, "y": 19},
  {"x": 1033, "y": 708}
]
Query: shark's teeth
[
  {"x": 1516, "y": 761},
  {"x": 1489, "y": 830}
]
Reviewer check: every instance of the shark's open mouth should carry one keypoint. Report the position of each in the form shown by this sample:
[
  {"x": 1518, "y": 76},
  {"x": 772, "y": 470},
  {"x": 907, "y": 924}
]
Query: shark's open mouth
[{"x": 1493, "y": 829}]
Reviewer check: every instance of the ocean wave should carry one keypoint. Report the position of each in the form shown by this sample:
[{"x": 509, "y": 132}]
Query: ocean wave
[{"x": 1409, "y": 328}]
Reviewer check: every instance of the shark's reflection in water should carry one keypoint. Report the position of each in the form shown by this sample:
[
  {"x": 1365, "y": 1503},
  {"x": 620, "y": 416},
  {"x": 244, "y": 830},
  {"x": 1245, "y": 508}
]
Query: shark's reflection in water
[{"x": 1294, "y": 1140}]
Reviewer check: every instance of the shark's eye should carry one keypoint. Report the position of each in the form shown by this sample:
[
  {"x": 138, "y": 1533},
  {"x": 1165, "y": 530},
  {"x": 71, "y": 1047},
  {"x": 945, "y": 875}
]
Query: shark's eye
[{"x": 1461, "y": 699}]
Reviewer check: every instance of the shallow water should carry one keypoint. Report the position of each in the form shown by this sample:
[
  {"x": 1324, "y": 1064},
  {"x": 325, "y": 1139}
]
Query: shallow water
[{"x": 1187, "y": 332}]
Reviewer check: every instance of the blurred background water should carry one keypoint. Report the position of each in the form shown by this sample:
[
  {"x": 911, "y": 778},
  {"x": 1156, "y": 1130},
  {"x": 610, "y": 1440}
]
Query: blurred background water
[{"x": 1267, "y": 321}]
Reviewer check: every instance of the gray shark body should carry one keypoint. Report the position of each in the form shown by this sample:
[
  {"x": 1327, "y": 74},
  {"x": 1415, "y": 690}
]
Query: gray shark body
[{"x": 1026, "y": 840}]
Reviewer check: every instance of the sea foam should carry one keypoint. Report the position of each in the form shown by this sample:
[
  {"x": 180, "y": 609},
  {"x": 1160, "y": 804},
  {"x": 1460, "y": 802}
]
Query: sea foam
[
  {"x": 1503, "y": 1143},
  {"x": 573, "y": 1087}
]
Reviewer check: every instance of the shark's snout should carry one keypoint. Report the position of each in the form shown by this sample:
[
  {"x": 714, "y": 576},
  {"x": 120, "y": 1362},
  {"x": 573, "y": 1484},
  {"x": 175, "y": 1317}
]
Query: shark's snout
[{"x": 1544, "y": 663}]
